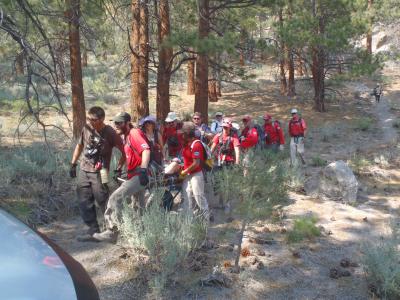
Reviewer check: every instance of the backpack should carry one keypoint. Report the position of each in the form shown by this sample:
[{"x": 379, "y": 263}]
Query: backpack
[
  {"x": 291, "y": 122},
  {"x": 225, "y": 148},
  {"x": 260, "y": 133},
  {"x": 208, "y": 163}
]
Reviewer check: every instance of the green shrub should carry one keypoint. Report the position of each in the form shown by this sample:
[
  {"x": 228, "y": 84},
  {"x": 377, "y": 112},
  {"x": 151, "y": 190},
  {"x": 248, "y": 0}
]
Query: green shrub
[
  {"x": 317, "y": 161},
  {"x": 303, "y": 228},
  {"x": 381, "y": 262},
  {"x": 358, "y": 163},
  {"x": 168, "y": 237},
  {"x": 363, "y": 124}
]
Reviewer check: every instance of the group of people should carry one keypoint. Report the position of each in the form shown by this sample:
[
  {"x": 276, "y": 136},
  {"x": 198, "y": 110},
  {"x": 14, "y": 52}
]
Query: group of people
[{"x": 192, "y": 144}]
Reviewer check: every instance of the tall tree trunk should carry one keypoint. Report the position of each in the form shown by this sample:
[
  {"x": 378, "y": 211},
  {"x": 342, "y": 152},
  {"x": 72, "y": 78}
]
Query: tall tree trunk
[
  {"x": 201, "y": 97},
  {"x": 84, "y": 58},
  {"x": 318, "y": 65},
  {"x": 212, "y": 90},
  {"x": 164, "y": 60},
  {"x": 134, "y": 46},
  {"x": 282, "y": 75},
  {"x": 139, "y": 59},
  {"x": 19, "y": 63},
  {"x": 300, "y": 65},
  {"x": 369, "y": 33},
  {"x": 78, "y": 100},
  {"x": 291, "y": 91},
  {"x": 191, "y": 84},
  {"x": 143, "y": 101}
]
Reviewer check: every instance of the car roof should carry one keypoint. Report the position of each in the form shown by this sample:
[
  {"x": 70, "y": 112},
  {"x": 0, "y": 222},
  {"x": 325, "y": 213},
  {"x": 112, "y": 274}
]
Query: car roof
[{"x": 30, "y": 268}]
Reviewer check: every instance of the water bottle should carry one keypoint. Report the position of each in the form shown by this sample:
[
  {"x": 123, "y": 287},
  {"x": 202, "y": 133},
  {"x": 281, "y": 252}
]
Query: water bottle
[{"x": 104, "y": 175}]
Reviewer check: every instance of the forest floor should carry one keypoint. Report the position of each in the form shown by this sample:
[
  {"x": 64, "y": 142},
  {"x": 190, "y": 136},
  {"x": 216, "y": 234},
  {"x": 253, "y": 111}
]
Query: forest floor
[{"x": 291, "y": 271}]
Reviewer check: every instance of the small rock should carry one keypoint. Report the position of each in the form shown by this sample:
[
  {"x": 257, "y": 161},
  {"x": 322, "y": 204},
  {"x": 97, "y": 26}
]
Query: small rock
[
  {"x": 365, "y": 219},
  {"x": 334, "y": 273},
  {"x": 329, "y": 232},
  {"x": 345, "y": 262},
  {"x": 296, "y": 254},
  {"x": 260, "y": 252},
  {"x": 253, "y": 260},
  {"x": 229, "y": 219},
  {"x": 260, "y": 265}
]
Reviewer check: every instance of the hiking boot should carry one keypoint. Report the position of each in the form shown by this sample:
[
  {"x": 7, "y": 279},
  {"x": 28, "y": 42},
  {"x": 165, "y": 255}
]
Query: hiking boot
[
  {"x": 107, "y": 236},
  {"x": 86, "y": 238}
]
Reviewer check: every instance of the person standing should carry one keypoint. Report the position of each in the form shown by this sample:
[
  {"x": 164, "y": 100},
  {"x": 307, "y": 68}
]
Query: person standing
[
  {"x": 137, "y": 152},
  {"x": 154, "y": 139},
  {"x": 297, "y": 131},
  {"x": 227, "y": 145},
  {"x": 377, "y": 92},
  {"x": 248, "y": 139},
  {"x": 193, "y": 186},
  {"x": 96, "y": 142},
  {"x": 216, "y": 125},
  {"x": 172, "y": 136},
  {"x": 273, "y": 134},
  {"x": 203, "y": 132}
]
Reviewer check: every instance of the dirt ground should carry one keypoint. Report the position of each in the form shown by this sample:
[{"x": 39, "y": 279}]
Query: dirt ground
[{"x": 291, "y": 271}]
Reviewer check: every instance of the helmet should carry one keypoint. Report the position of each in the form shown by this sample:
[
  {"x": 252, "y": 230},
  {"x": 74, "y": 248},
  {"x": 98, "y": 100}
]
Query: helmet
[
  {"x": 227, "y": 122},
  {"x": 267, "y": 117},
  {"x": 294, "y": 111}
]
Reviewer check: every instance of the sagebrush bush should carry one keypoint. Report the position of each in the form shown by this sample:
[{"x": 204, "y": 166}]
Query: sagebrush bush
[
  {"x": 168, "y": 237},
  {"x": 37, "y": 175},
  {"x": 358, "y": 163},
  {"x": 303, "y": 228},
  {"x": 317, "y": 161},
  {"x": 364, "y": 124},
  {"x": 381, "y": 263}
]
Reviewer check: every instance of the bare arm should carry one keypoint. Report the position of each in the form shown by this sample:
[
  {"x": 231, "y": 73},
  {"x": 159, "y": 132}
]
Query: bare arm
[
  {"x": 76, "y": 154},
  {"x": 237, "y": 155},
  {"x": 213, "y": 146},
  {"x": 145, "y": 159},
  {"x": 194, "y": 165}
]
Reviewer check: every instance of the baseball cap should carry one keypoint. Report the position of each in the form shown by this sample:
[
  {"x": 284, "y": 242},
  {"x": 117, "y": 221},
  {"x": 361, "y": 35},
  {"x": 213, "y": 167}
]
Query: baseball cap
[
  {"x": 171, "y": 117},
  {"x": 151, "y": 119},
  {"x": 122, "y": 117},
  {"x": 267, "y": 117},
  {"x": 294, "y": 111},
  {"x": 219, "y": 114}
]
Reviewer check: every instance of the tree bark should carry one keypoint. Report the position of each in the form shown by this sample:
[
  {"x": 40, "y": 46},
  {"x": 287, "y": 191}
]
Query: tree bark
[
  {"x": 369, "y": 33},
  {"x": 282, "y": 47},
  {"x": 78, "y": 101},
  {"x": 139, "y": 59},
  {"x": 201, "y": 97},
  {"x": 191, "y": 78},
  {"x": 291, "y": 90},
  {"x": 19, "y": 64},
  {"x": 164, "y": 61},
  {"x": 84, "y": 58},
  {"x": 212, "y": 90}
]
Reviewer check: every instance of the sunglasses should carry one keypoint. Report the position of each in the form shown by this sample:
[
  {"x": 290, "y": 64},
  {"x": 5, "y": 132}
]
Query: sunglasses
[
  {"x": 118, "y": 123},
  {"x": 196, "y": 118},
  {"x": 92, "y": 119}
]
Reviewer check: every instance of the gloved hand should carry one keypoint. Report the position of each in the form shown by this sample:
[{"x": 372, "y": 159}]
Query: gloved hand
[
  {"x": 72, "y": 171},
  {"x": 143, "y": 178},
  {"x": 281, "y": 147}
]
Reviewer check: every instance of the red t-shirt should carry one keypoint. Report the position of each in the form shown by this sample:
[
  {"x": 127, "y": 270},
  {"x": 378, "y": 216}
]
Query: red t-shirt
[
  {"x": 169, "y": 132},
  {"x": 234, "y": 142},
  {"x": 250, "y": 137},
  {"x": 273, "y": 134},
  {"x": 135, "y": 143},
  {"x": 197, "y": 152}
]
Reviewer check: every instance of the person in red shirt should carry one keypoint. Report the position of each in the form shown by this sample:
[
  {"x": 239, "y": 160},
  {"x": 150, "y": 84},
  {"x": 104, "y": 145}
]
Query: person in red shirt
[
  {"x": 297, "y": 131},
  {"x": 249, "y": 136},
  {"x": 227, "y": 145},
  {"x": 172, "y": 136},
  {"x": 273, "y": 134},
  {"x": 137, "y": 151},
  {"x": 193, "y": 186}
]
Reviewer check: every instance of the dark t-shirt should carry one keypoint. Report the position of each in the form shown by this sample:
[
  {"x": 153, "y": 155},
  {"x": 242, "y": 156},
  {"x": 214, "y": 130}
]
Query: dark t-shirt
[{"x": 111, "y": 139}]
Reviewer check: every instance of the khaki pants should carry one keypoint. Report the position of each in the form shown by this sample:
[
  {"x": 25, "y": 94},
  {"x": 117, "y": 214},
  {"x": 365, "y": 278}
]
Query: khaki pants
[
  {"x": 296, "y": 146},
  {"x": 131, "y": 187},
  {"x": 193, "y": 187}
]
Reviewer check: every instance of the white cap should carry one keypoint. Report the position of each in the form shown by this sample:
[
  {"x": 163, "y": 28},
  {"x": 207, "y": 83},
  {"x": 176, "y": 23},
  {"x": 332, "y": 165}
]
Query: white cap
[
  {"x": 218, "y": 113},
  {"x": 293, "y": 111},
  {"x": 171, "y": 117},
  {"x": 236, "y": 125}
]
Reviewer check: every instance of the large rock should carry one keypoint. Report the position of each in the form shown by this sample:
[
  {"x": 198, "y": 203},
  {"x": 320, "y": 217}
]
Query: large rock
[{"x": 338, "y": 182}]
